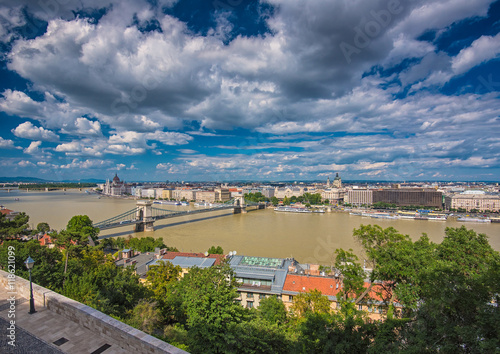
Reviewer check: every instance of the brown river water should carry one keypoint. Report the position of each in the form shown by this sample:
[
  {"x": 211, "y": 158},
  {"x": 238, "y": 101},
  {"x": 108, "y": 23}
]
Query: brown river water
[{"x": 310, "y": 238}]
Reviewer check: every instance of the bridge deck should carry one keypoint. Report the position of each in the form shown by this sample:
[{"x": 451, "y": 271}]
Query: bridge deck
[{"x": 169, "y": 214}]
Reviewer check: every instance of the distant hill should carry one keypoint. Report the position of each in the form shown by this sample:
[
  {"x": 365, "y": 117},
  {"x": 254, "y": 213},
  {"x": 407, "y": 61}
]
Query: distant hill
[
  {"x": 22, "y": 180},
  {"x": 40, "y": 180}
]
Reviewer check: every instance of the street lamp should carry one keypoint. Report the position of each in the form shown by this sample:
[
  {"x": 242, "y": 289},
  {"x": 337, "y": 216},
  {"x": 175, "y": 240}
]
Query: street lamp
[{"x": 29, "y": 264}]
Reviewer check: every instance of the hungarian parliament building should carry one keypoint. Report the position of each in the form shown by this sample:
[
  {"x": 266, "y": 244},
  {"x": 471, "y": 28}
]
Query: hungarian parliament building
[{"x": 116, "y": 187}]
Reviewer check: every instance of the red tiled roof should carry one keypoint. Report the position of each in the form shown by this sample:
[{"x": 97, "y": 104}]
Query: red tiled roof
[
  {"x": 171, "y": 255},
  {"x": 45, "y": 240},
  {"x": 303, "y": 283},
  {"x": 327, "y": 286},
  {"x": 5, "y": 211}
]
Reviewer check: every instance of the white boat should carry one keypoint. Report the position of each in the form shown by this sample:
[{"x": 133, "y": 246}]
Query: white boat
[
  {"x": 406, "y": 216},
  {"x": 167, "y": 202},
  {"x": 292, "y": 210},
  {"x": 473, "y": 219},
  {"x": 380, "y": 215},
  {"x": 203, "y": 204},
  {"x": 437, "y": 217}
]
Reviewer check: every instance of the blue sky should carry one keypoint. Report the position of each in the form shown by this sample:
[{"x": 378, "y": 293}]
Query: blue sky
[{"x": 248, "y": 90}]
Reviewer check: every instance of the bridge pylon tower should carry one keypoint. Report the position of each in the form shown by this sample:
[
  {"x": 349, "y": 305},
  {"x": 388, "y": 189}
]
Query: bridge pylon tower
[
  {"x": 240, "y": 206},
  {"x": 145, "y": 214}
]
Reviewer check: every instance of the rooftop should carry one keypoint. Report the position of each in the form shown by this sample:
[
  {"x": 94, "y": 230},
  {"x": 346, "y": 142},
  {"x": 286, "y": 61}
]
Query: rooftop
[
  {"x": 171, "y": 255},
  {"x": 187, "y": 262}
]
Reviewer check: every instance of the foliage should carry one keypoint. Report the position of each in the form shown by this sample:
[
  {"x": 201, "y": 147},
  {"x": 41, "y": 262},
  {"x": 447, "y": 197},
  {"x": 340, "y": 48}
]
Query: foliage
[
  {"x": 145, "y": 244},
  {"x": 106, "y": 287},
  {"x": 352, "y": 274},
  {"x": 176, "y": 335},
  {"x": 313, "y": 199},
  {"x": 43, "y": 227},
  {"x": 69, "y": 185},
  {"x": 256, "y": 336},
  {"x": 146, "y": 316},
  {"x": 331, "y": 333},
  {"x": 141, "y": 244},
  {"x": 256, "y": 197},
  {"x": 311, "y": 301},
  {"x": 47, "y": 270},
  {"x": 215, "y": 250},
  {"x": 272, "y": 310},
  {"x": 16, "y": 226},
  {"x": 160, "y": 279},
  {"x": 80, "y": 228},
  {"x": 456, "y": 314},
  {"x": 274, "y": 200},
  {"x": 208, "y": 297},
  {"x": 446, "y": 289}
]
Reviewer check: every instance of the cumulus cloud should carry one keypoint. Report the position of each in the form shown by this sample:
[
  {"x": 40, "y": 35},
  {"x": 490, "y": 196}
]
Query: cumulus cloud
[
  {"x": 87, "y": 164},
  {"x": 26, "y": 163},
  {"x": 82, "y": 126},
  {"x": 27, "y": 130},
  {"x": 33, "y": 148},
  {"x": 481, "y": 50},
  {"x": 6, "y": 143},
  {"x": 310, "y": 94}
]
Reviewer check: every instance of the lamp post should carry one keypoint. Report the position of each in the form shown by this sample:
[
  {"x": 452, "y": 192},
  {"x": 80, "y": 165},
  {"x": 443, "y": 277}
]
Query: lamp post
[{"x": 29, "y": 262}]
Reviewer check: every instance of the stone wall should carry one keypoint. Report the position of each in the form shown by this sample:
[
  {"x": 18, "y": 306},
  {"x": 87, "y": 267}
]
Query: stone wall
[{"x": 116, "y": 332}]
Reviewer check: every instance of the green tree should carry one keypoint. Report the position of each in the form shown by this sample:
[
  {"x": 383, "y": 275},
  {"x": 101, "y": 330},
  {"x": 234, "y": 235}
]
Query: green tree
[
  {"x": 47, "y": 270},
  {"x": 146, "y": 316},
  {"x": 107, "y": 288},
  {"x": 161, "y": 279},
  {"x": 310, "y": 301},
  {"x": 208, "y": 297},
  {"x": 215, "y": 250},
  {"x": 256, "y": 336},
  {"x": 286, "y": 201},
  {"x": 332, "y": 333},
  {"x": 272, "y": 310},
  {"x": 274, "y": 200},
  {"x": 14, "y": 227},
  {"x": 396, "y": 260},
  {"x": 80, "y": 228},
  {"x": 43, "y": 227},
  {"x": 456, "y": 312},
  {"x": 352, "y": 274}
]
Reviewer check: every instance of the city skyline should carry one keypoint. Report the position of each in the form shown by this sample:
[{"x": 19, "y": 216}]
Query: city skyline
[{"x": 242, "y": 90}]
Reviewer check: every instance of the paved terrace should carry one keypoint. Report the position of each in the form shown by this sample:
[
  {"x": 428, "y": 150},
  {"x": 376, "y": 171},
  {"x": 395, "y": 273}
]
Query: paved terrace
[{"x": 62, "y": 325}]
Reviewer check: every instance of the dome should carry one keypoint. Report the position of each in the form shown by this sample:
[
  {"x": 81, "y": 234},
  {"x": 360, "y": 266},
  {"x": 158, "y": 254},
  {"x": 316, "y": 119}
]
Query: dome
[{"x": 116, "y": 179}]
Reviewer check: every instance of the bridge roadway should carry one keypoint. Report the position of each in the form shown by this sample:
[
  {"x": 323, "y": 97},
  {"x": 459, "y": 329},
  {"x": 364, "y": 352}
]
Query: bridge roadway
[{"x": 168, "y": 214}]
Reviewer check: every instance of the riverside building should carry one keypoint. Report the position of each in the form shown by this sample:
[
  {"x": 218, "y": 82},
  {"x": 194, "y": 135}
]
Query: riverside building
[{"x": 473, "y": 201}]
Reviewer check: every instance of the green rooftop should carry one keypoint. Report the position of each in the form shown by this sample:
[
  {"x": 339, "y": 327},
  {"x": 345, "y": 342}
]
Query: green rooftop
[{"x": 261, "y": 261}]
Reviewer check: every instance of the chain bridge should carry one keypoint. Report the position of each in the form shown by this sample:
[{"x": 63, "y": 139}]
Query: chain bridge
[{"x": 144, "y": 214}]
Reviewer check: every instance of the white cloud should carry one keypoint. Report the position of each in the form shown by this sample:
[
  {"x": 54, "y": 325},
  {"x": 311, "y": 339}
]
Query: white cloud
[
  {"x": 26, "y": 163},
  {"x": 118, "y": 149},
  {"x": 87, "y": 164},
  {"x": 480, "y": 51},
  {"x": 6, "y": 143},
  {"x": 27, "y": 130},
  {"x": 82, "y": 127},
  {"x": 33, "y": 148}
]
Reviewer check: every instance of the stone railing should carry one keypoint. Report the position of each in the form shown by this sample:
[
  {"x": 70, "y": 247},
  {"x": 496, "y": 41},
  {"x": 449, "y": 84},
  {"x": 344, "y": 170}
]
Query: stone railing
[{"x": 118, "y": 333}]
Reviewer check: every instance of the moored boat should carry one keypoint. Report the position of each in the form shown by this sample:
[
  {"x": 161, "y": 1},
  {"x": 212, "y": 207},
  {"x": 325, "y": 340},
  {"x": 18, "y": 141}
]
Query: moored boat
[
  {"x": 466, "y": 219},
  {"x": 292, "y": 210}
]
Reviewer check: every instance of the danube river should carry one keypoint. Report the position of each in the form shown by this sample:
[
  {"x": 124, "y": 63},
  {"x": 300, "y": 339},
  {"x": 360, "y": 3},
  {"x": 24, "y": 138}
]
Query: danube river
[{"x": 310, "y": 238}]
